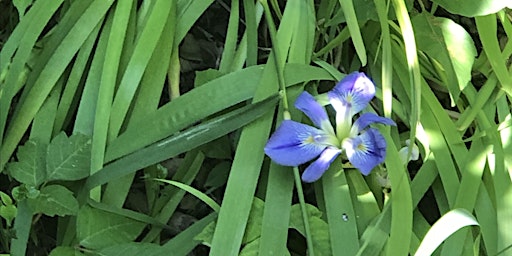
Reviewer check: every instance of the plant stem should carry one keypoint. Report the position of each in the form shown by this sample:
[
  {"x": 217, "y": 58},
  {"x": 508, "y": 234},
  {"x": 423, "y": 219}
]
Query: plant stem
[{"x": 305, "y": 215}]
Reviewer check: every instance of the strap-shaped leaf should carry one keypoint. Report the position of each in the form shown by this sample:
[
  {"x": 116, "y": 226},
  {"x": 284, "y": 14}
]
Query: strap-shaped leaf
[{"x": 443, "y": 228}]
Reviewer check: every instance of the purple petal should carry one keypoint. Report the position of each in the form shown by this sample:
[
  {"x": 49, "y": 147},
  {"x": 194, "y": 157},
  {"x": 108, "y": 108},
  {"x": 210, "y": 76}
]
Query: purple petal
[
  {"x": 315, "y": 170},
  {"x": 307, "y": 104},
  {"x": 354, "y": 92},
  {"x": 366, "y": 150},
  {"x": 369, "y": 118},
  {"x": 294, "y": 143}
]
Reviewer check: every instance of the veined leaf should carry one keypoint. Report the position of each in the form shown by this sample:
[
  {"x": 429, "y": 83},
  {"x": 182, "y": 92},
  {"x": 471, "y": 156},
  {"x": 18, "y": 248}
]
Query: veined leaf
[
  {"x": 68, "y": 158},
  {"x": 98, "y": 229},
  {"x": 54, "y": 200},
  {"x": 31, "y": 165}
]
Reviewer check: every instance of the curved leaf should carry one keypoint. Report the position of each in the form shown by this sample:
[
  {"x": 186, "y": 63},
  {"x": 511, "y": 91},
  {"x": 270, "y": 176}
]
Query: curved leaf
[
  {"x": 472, "y": 8},
  {"x": 443, "y": 228}
]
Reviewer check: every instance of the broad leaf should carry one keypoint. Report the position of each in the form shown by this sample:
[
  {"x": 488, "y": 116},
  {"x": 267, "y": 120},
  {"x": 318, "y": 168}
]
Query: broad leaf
[
  {"x": 65, "y": 251},
  {"x": 450, "y": 47},
  {"x": 251, "y": 249},
  {"x": 54, "y": 200},
  {"x": 253, "y": 229},
  {"x": 318, "y": 227},
  {"x": 8, "y": 213},
  {"x": 98, "y": 229},
  {"x": 134, "y": 249},
  {"x": 68, "y": 158},
  {"x": 30, "y": 168},
  {"x": 472, "y": 8}
]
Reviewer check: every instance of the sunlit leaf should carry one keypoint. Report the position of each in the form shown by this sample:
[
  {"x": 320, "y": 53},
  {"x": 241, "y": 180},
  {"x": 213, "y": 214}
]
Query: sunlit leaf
[
  {"x": 443, "y": 228},
  {"x": 471, "y": 8},
  {"x": 22, "y": 6},
  {"x": 448, "y": 44}
]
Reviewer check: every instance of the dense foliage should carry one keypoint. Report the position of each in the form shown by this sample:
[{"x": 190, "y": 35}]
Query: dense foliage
[{"x": 141, "y": 127}]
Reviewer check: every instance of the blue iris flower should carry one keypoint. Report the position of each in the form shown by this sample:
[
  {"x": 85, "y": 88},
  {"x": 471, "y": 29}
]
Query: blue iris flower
[{"x": 294, "y": 143}]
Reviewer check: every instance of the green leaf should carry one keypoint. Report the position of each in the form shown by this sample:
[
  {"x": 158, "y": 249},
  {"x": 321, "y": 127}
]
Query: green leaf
[
  {"x": 205, "y": 76},
  {"x": 8, "y": 212},
  {"x": 218, "y": 149},
  {"x": 448, "y": 44},
  {"x": 251, "y": 249},
  {"x": 54, "y": 200},
  {"x": 68, "y": 158},
  {"x": 206, "y": 235},
  {"x": 319, "y": 228},
  {"x": 472, "y": 8},
  {"x": 134, "y": 249},
  {"x": 253, "y": 229},
  {"x": 30, "y": 168},
  {"x": 181, "y": 142},
  {"x": 65, "y": 251},
  {"x": 6, "y": 199},
  {"x": 218, "y": 176},
  {"x": 22, "y": 6},
  {"x": 24, "y": 191},
  {"x": 184, "y": 242},
  {"x": 443, "y": 228},
  {"x": 98, "y": 229}
]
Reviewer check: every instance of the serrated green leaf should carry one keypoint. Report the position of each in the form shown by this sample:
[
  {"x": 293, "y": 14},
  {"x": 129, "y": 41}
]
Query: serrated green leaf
[
  {"x": 134, "y": 249},
  {"x": 54, "y": 200},
  {"x": 24, "y": 191},
  {"x": 31, "y": 165},
  {"x": 98, "y": 229},
  {"x": 68, "y": 158}
]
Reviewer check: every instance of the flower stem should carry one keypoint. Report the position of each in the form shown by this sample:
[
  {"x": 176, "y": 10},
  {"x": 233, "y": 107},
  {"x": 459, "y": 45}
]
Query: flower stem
[
  {"x": 278, "y": 59},
  {"x": 303, "y": 209}
]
